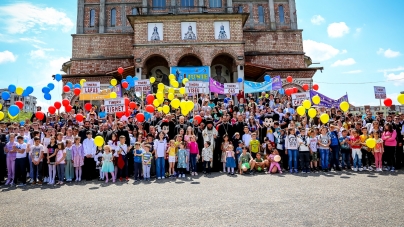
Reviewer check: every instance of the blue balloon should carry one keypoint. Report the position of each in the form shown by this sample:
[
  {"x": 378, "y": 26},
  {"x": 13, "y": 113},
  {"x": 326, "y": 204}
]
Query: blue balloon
[
  {"x": 5, "y": 95},
  {"x": 70, "y": 85},
  {"x": 240, "y": 80},
  {"x": 123, "y": 80},
  {"x": 77, "y": 86},
  {"x": 147, "y": 116},
  {"x": 22, "y": 123},
  {"x": 51, "y": 86},
  {"x": 281, "y": 91},
  {"x": 24, "y": 93},
  {"x": 11, "y": 88},
  {"x": 267, "y": 78},
  {"x": 14, "y": 110},
  {"x": 135, "y": 78},
  {"x": 45, "y": 90},
  {"x": 58, "y": 77},
  {"x": 47, "y": 96},
  {"x": 29, "y": 90}
]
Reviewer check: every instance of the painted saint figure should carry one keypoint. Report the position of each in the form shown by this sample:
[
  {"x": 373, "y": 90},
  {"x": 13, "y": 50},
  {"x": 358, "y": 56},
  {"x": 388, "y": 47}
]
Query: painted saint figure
[
  {"x": 189, "y": 35},
  {"x": 222, "y": 33},
  {"x": 155, "y": 35}
]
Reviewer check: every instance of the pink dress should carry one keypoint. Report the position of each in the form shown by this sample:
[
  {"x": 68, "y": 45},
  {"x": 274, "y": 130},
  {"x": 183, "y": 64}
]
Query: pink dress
[{"x": 78, "y": 155}]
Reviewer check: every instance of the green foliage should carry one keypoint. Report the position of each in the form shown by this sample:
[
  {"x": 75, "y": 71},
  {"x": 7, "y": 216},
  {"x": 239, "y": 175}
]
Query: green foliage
[{"x": 22, "y": 116}]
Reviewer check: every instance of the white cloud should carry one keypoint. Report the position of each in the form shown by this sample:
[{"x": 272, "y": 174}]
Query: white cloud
[
  {"x": 388, "y": 53},
  {"x": 32, "y": 40},
  {"x": 398, "y": 69},
  {"x": 336, "y": 30},
  {"x": 21, "y": 17},
  {"x": 353, "y": 72},
  {"x": 344, "y": 51},
  {"x": 7, "y": 56},
  {"x": 317, "y": 20},
  {"x": 346, "y": 62},
  {"x": 358, "y": 32},
  {"x": 397, "y": 79},
  {"x": 319, "y": 51},
  {"x": 40, "y": 52}
]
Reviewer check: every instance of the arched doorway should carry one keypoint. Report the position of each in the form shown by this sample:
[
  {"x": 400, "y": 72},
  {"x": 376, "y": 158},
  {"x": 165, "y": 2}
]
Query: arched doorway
[
  {"x": 189, "y": 60},
  {"x": 157, "y": 66},
  {"x": 222, "y": 69}
]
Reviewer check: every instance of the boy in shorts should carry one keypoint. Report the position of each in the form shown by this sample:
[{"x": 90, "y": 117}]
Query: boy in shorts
[{"x": 313, "y": 151}]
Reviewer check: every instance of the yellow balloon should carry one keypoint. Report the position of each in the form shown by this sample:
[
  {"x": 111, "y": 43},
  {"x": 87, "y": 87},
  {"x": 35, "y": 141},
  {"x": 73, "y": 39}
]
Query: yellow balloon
[
  {"x": 301, "y": 110},
  {"x": 174, "y": 83},
  {"x": 1, "y": 106},
  {"x": 183, "y": 104},
  {"x": 171, "y": 77},
  {"x": 190, "y": 105},
  {"x": 316, "y": 99},
  {"x": 371, "y": 143},
  {"x": 400, "y": 99},
  {"x": 160, "y": 90},
  {"x": 160, "y": 95},
  {"x": 324, "y": 118},
  {"x": 82, "y": 81},
  {"x": 266, "y": 95},
  {"x": 344, "y": 106},
  {"x": 182, "y": 90},
  {"x": 171, "y": 90},
  {"x": 185, "y": 81},
  {"x": 306, "y": 104},
  {"x": 312, "y": 112},
  {"x": 159, "y": 109},
  {"x": 175, "y": 103},
  {"x": 19, "y": 90},
  {"x": 166, "y": 109},
  {"x": 112, "y": 95},
  {"x": 170, "y": 96},
  {"x": 156, "y": 103},
  {"x": 161, "y": 101},
  {"x": 11, "y": 117},
  {"x": 152, "y": 79},
  {"x": 160, "y": 86},
  {"x": 98, "y": 141},
  {"x": 184, "y": 112},
  {"x": 114, "y": 82},
  {"x": 1, "y": 116}
]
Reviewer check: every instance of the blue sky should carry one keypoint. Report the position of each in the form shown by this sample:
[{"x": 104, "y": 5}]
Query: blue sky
[{"x": 357, "y": 42}]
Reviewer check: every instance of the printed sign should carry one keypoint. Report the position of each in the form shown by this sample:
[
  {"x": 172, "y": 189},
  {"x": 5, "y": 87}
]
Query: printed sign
[
  {"x": 231, "y": 88},
  {"x": 195, "y": 73},
  {"x": 142, "y": 86},
  {"x": 380, "y": 92},
  {"x": 114, "y": 105},
  {"x": 298, "y": 98},
  {"x": 197, "y": 87},
  {"x": 91, "y": 87}
]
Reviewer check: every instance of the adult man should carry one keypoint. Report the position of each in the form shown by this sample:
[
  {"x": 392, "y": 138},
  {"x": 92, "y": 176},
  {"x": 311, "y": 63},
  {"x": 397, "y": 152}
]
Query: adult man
[
  {"x": 398, "y": 126},
  {"x": 216, "y": 98},
  {"x": 38, "y": 109},
  {"x": 225, "y": 128},
  {"x": 181, "y": 125},
  {"x": 83, "y": 132},
  {"x": 239, "y": 126},
  {"x": 76, "y": 106},
  {"x": 104, "y": 132},
  {"x": 123, "y": 132}
]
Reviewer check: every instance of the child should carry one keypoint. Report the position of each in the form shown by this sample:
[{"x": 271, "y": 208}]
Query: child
[
  {"x": 366, "y": 153},
  {"x": 355, "y": 143},
  {"x": 280, "y": 146},
  {"x": 122, "y": 161},
  {"x": 11, "y": 152},
  {"x": 224, "y": 146},
  {"x": 244, "y": 161},
  {"x": 194, "y": 155},
  {"x": 345, "y": 150},
  {"x": 78, "y": 157},
  {"x": 138, "y": 154},
  {"x": 291, "y": 146},
  {"x": 20, "y": 171},
  {"x": 36, "y": 158},
  {"x": 98, "y": 161},
  {"x": 171, "y": 151},
  {"x": 254, "y": 145},
  {"x": 378, "y": 151},
  {"x": 304, "y": 152},
  {"x": 230, "y": 160},
  {"x": 324, "y": 142},
  {"x": 107, "y": 166},
  {"x": 160, "y": 147},
  {"x": 182, "y": 160},
  {"x": 52, "y": 147},
  {"x": 246, "y": 137},
  {"x": 207, "y": 156},
  {"x": 239, "y": 151},
  {"x": 146, "y": 160},
  {"x": 60, "y": 162},
  {"x": 274, "y": 167},
  {"x": 313, "y": 150},
  {"x": 69, "y": 169}
]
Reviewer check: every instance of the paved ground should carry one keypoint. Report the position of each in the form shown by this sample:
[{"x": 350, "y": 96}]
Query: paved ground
[{"x": 338, "y": 199}]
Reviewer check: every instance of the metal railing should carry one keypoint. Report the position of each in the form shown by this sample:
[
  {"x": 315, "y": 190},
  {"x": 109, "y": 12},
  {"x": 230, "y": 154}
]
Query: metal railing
[{"x": 153, "y": 10}]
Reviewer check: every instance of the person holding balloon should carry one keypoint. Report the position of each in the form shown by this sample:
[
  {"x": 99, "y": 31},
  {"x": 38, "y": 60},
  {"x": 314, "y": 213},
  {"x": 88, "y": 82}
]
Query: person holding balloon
[
  {"x": 390, "y": 143},
  {"x": 324, "y": 142},
  {"x": 378, "y": 151}
]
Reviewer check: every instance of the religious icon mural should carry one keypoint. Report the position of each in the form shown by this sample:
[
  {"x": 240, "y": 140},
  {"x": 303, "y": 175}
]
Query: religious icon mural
[
  {"x": 188, "y": 30},
  {"x": 155, "y": 31},
  {"x": 220, "y": 73},
  {"x": 222, "y": 30},
  {"x": 161, "y": 74}
]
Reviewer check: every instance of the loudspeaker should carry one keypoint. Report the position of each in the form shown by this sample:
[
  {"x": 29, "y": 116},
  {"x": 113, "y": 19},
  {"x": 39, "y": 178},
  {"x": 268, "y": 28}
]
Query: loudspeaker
[
  {"x": 137, "y": 70},
  {"x": 241, "y": 67}
]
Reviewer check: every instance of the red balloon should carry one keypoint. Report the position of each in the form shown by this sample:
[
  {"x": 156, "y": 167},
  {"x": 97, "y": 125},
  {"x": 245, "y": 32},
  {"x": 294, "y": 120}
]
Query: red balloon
[
  {"x": 140, "y": 117},
  {"x": 39, "y": 115},
  {"x": 66, "y": 88},
  {"x": 198, "y": 119},
  {"x": 65, "y": 102},
  {"x": 77, "y": 91},
  {"x": 289, "y": 79},
  {"x": 120, "y": 114},
  {"x": 289, "y": 91},
  {"x": 68, "y": 108},
  {"x": 132, "y": 105},
  {"x": 127, "y": 113},
  {"x": 19, "y": 104},
  {"x": 150, "y": 98},
  {"x": 388, "y": 102},
  {"x": 315, "y": 87},
  {"x": 150, "y": 108},
  {"x": 51, "y": 109},
  {"x": 88, "y": 106},
  {"x": 125, "y": 84},
  {"x": 127, "y": 101},
  {"x": 295, "y": 90},
  {"x": 305, "y": 87},
  {"x": 57, "y": 105},
  {"x": 79, "y": 117},
  {"x": 120, "y": 70}
]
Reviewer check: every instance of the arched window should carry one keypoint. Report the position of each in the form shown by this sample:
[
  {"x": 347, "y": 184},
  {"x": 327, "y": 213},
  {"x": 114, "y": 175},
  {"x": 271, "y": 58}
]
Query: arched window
[
  {"x": 134, "y": 11},
  {"x": 92, "y": 18},
  {"x": 215, "y": 3},
  {"x": 113, "y": 17},
  {"x": 260, "y": 14},
  {"x": 281, "y": 14}
]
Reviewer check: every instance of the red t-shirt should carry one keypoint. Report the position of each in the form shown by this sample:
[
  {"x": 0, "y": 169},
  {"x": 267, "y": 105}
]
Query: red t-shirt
[{"x": 355, "y": 140}]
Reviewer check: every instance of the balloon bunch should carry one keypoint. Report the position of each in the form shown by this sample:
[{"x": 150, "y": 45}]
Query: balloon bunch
[
  {"x": 290, "y": 91},
  {"x": 128, "y": 82}
]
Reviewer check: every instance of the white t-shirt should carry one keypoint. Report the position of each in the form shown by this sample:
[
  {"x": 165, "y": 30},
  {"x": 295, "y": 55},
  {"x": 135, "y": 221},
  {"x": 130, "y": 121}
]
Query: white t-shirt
[
  {"x": 246, "y": 139},
  {"x": 46, "y": 142},
  {"x": 35, "y": 152},
  {"x": 19, "y": 147}
]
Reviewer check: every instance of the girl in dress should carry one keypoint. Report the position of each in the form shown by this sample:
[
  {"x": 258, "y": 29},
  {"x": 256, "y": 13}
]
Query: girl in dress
[
  {"x": 52, "y": 147},
  {"x": 274, "y": 167},
  {"x": 69, "y": 169},
  {"x": 113, "y": 144},
  {"x": 98, "y": 161},
  {"x": 230, "y": 159},
  {"x": 60, "y": 162},
  {"x": 107, "y": 165},
  {"x": 45, "y": 142},
  {"x": 378, "y": 151},
  {"x": 182, "y": 160},
  {"x": 78, "y": 157},
  {"x": 171, "y": 151},
  {"x": 224, "y": 146},
  {"x": 187, "y": 138}
]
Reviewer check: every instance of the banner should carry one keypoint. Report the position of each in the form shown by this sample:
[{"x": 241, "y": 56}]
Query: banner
[
  {"x": 253, "y": 87},
  {"x": 231, "y": 88},
  {"x": 103, "y": 94},
  {"x": 91, "y": 87},
  {"x": 328, "y": 102},
  {"x": 194, "y": 73},
  {"x": 216, "y": 87},
  {"x": 380, "y": 92},
  {"x": 114, "y": 105},
  {"x": 298, "y": 98},
  {"x": 142, "y": 86},
  {"x": 195, "y": 88}
]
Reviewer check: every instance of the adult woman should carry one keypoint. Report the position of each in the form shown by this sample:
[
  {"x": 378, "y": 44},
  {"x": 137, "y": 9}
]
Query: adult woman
[
  {"x": 277, "y": 103},
  {"x": 389, "y": 138},
  {"x": 102, "y": 115},
  {"x": 252, "y": 125},
  {"x": 160, "y": 147}
]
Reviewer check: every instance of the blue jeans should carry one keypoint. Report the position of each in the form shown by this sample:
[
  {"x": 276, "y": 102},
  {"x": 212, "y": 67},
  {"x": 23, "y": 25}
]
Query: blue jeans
[
  {"x": 293, "y": 158},
  {"x": 324, "y": 153},
  {"x": 192, "y": 168},
  {"x": 31, "y": 169},
  {"x": 335, "y": 156},
  {"x": 345, "y": 158},
  {"x": 160, "y": 167}
]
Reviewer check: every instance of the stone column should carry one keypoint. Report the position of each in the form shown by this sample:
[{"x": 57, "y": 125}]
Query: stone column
[
  {"x": 138, "y": 73},
  {"x": 292, "y": 9},
  {"x": 145, "y": 9},
  {"x": 240, "y": 74},
  {"x": 229, "y": 6},
  {"x": 80, "y": 17},
  {"x": 272, "y": 20},
  {"x": 101, "y": 28}
]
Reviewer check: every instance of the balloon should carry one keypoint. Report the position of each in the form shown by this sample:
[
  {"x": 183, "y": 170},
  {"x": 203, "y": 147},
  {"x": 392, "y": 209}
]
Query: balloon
[
  {"x": 65, "y": 102},
  {"x": 245, "y": 166},
  {"x": 149, "y": 98},
  {"x": 79, "y": 117},
  {"x": 88, "y": 106},
  {"x": 295, "y": 90},
  {"x": 301, "y": 110},
  {"x": 46, "y": 90},
  {"x": 39, "y": 115},
  {"x": 160, "y": 86},
  {"x": 12, "y": 117},
  {"x": 150, "y": 108},
  {"x": 159, "y": 95},
  {"x": 82, "y": 81},
  {"x": 171, "y": 77},
  {"x": 19, "y": 104},
  {"x": 344, "y": 106},
  {"x": 306, "y": 104},
  {"x": 51, "y": 86},
  {"x": 198, "y": 119},
  {"x": 135, "y": 78},
  {"x": 184, "y": 112},
  {"x": 70, "y": 85},
  {"x": 58, "y": 77},
  {"x": 127, "y": 101},
  {"x": 266, "y": 95},
  {"x": 152, "y": 80},
  {"x": 125, "y": 84},
  {"x": 24, "y": 93},
  {"x": 305, "y": 87},
  {"x": 182, "y": 90},
  {"x": 289, "y": 79},
  {"x": 170, "y": 96},
  {"x": 371, "y": 143},
  {"x": 277, "y": 158},
  {"x": 1, "y": 106},
  {"x": 1, "y": 116},
  {"x": 29, "y": 90},
  {"x": 156, "y": 103},
  {"x": 5, "y": 95},
  {"x": 47, "y": 96},
  {"x": 240, "y": 80},
  {"x": 400, "y": 99},
  {"x": 171, "y": 90},
  {"x": 51, "y": 109},
  {"x": 120, "y": 71},
  {"x": 132, "y": 105},
  {"x": 159, "y": 109},
  {"x": 22, "y": 123},
  {"x": 119, "y": 114},
  {"x": 166, "y": 109},
  {"x": 68, "y": 108},
  {"x": 11, "y": 88},
  {"x": 77, "y": 91},
  {"x": 312, "y": 112},
  {"x": 316, "y": 99},
  {"x": 57, "y": 105},
  {"x": 98, "y": 141},
  {"x": 190, "y": 105},
  {"x": 388, "y": 102},
  {"x": 288, "y": 91},
  {"x": 161, "y": 101},
  {"x": 183, "y": 104},
  {"x": 175, "y": 103},
  {"x": 140, "y": 117},
  {"x": 13, "y": 110},
  {"x": 77, "y": 86},
  {"x": 267, "y": 78},
  {"x": 113, "y": 95},
  {"x": 185, "y": 81},
  {"x": 65, "y": 88},
  {"x": 114, "y": 82},
  {"x": 19, "y": 90},
  {"x": 324, "y": 118},
  {"x": 174, "y": 83},
  {"x": 315, "y": 87}
]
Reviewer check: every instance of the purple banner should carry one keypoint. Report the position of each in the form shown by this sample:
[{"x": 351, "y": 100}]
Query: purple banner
[
  {"x": 276, "y": 83},
  {"x": 328, "y": 102},
  {"x": 215, "y": 86}
]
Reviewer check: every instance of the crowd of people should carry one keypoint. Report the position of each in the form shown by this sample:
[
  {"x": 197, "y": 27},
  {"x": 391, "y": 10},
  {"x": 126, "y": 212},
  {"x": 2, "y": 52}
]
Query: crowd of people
[{"x": 243, "y": 134}]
